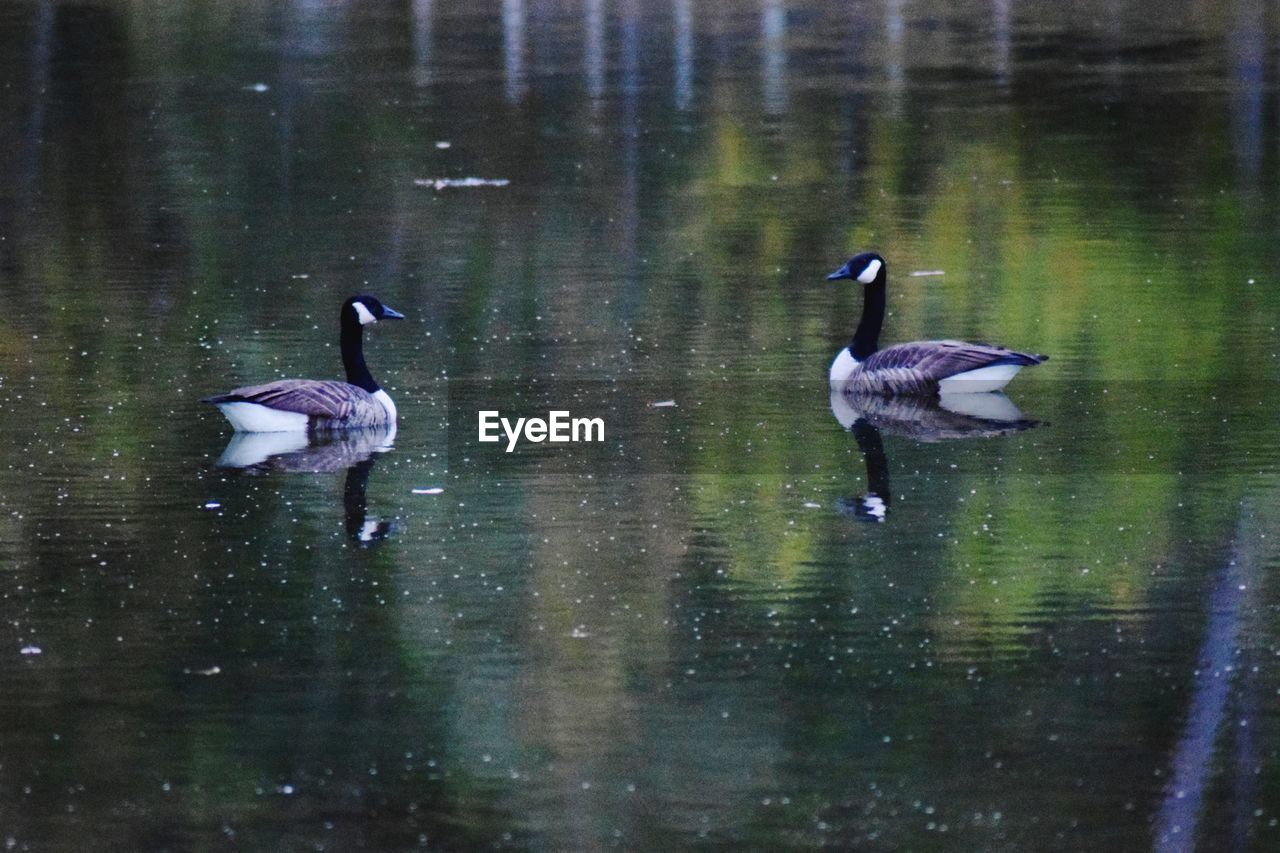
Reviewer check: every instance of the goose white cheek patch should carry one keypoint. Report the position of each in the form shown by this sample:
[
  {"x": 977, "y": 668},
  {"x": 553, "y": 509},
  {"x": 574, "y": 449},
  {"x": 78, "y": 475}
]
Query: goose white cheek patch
[
  {"x": 363, "y": 313},
  {"x": 869, "y": 274}
]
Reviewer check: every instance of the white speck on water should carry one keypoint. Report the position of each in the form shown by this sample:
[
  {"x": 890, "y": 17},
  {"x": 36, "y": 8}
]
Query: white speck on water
[
  {"x": 301, "y": 275},
  {"x": 443, "y": 144},
  {"x": 663, "y": 404},
  {"x": 433, "y": 490},
  {"x": 286, "y": 789},
  {"x": 579, "y": 633},
  {"x": 443, "y": 183},
  {"x": 257, "y": 87},
  {"x": 31, "y": 650},
  {"x": 925, "y": 273},
  {"x": 812, "y": 505}
]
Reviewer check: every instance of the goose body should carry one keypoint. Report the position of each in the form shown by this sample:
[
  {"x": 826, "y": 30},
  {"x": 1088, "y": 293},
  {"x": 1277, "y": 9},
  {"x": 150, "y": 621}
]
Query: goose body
[
  {"x": 310, "y": 405},
  {"x": 930, "y": 368},
  {"x": 919, "y": 368}
]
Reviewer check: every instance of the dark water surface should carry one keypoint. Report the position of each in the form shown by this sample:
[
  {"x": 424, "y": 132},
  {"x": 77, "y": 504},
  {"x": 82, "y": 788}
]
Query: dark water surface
[{"x": 1066, "y": 637}]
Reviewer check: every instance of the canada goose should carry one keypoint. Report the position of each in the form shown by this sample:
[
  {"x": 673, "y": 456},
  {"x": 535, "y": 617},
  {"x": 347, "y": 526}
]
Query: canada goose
[
  {"x": 298, "y": 405},
  {"x": 920, "y": 367}
]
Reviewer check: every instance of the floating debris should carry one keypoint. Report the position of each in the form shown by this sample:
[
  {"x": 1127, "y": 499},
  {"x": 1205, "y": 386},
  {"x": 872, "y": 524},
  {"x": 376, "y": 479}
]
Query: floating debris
[
  {"x": 924, "y": 273},
  {"x": 301, "y": 275},
  {"x": 443, "y": 183},
  {"x": 256, "y": 87},
  {"x": 213, "y": 670},
  {"x": 663, "y": 404},
  {"x": 212, "y": 505},
  {"x": 434, "y": 490},
  {"x": 443, "y": 144},
  {"x": 31, "y": 650},
  {"x": 812, "y": 505},
  {"x": 579, "y": 633}
]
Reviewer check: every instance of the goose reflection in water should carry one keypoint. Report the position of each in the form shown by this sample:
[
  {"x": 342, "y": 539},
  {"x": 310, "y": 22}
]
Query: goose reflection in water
[
  {"x": 946, "y": 418},
  {"x": 353, "y": 451}
]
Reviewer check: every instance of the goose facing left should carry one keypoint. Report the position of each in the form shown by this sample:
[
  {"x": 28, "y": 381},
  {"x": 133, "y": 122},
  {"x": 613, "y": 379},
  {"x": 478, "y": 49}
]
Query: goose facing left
[
  {"x": 301, "y": 405},
  {"x": 925, "y": 368}
]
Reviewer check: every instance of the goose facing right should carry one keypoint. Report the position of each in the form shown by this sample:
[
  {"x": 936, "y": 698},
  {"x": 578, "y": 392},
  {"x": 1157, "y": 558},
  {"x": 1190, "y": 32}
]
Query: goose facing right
[
  {"x": 313, "y": 405},
  {"x": 923, "y": 368}
]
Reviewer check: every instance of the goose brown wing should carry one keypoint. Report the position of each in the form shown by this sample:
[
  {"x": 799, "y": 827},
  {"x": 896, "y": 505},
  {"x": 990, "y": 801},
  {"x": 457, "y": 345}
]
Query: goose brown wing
[
  {"x": 936, "y": 360},
  {"x": 921, "y": 365},
  {"x": 325, "y": 400}
]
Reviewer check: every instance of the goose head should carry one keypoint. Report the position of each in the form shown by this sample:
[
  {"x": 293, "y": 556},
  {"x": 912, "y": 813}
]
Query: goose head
[
  {"x": 866, "y": 268},
  {"x": 363, "y": 309}
]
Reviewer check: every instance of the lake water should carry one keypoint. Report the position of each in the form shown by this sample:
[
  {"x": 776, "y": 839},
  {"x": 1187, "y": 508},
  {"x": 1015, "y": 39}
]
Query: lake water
[{"x": 701, "y": 631}]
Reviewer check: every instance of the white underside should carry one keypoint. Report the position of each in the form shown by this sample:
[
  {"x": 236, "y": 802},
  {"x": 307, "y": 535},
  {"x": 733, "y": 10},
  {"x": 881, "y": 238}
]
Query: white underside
[
  {"x": 254, "y": 417},
  {"x": 991, "y": 378}
]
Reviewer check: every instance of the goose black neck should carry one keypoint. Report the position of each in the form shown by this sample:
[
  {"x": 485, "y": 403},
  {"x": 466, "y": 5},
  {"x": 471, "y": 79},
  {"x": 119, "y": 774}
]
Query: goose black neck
[
  {"x": 866, "y": 339},
  {"x": 352, "y": 340}
]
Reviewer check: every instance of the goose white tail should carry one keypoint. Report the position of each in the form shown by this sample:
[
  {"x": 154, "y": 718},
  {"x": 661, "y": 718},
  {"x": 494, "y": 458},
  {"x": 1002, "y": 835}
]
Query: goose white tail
[
  {"x": 978, "y": 381},
  {"x": 253, "y": 417}
]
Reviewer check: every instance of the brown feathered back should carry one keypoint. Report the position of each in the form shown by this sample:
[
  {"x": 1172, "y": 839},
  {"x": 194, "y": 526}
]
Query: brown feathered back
[
  {"x": 918, "y": 367},
  {"x": 325, "y": 402}
]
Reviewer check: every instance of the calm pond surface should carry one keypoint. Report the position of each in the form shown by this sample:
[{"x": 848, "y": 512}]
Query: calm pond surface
[{"x": 702, "y": 631}]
